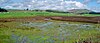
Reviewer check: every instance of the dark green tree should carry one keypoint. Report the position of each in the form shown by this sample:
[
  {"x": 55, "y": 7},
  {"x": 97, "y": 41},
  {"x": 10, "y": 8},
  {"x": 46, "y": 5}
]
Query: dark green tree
[
  {"x": 27, "y": 9},
  {"x": 3, "y": 10}
]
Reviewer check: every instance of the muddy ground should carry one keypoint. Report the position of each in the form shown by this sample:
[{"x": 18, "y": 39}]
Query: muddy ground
[{"x": 60, "y": 18}]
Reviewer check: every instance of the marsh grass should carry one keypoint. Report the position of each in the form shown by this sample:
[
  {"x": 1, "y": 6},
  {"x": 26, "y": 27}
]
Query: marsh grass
[{"x": 49, "y": 32}]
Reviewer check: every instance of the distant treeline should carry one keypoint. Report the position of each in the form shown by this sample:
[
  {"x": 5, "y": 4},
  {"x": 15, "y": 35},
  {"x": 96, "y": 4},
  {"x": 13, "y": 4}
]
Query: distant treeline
[
  {"x": 90, "y": 13},
  {"x": 56, "y": 11},
  {"x": 80, "y": 11},
  {"x": 73, "y": 12},
  {"x": 3, "y": 10},
  {"x": 94, "y": 12}
]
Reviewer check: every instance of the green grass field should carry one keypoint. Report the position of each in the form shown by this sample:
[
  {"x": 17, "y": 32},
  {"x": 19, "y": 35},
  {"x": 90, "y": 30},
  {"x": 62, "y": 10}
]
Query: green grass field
[
  {"x": 29, "y": 14},
  {"x": 47, "y": 31}
]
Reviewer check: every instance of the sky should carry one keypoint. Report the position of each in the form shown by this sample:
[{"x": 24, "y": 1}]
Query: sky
[{"x": 62, "y": 5}]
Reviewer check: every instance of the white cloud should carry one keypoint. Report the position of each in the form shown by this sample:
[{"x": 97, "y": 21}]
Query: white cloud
[
  {"x": 9, "y": 7},
  {"x": 98, "y": 1},
  {"x": 48, "y": 4},
  {"x": 1, "y": 0},
  {"x": 80, "y": 5}
]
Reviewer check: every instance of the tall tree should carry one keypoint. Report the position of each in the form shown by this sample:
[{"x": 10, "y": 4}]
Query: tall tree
[{"x": 3, "y": 10}]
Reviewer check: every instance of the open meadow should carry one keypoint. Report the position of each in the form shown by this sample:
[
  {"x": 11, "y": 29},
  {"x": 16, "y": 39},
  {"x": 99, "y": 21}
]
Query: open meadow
[
  {"x": 35, "y": 13},
  {"x": 42, "y": 27}
]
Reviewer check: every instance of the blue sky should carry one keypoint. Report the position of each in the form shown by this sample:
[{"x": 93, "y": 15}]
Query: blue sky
[{"x": 91, "y": 4}]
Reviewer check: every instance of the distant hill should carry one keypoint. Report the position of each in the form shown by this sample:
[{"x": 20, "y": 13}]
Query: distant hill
[
  {"x": 79, "y": 11},
  {"x": 82, "y": 11}
]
